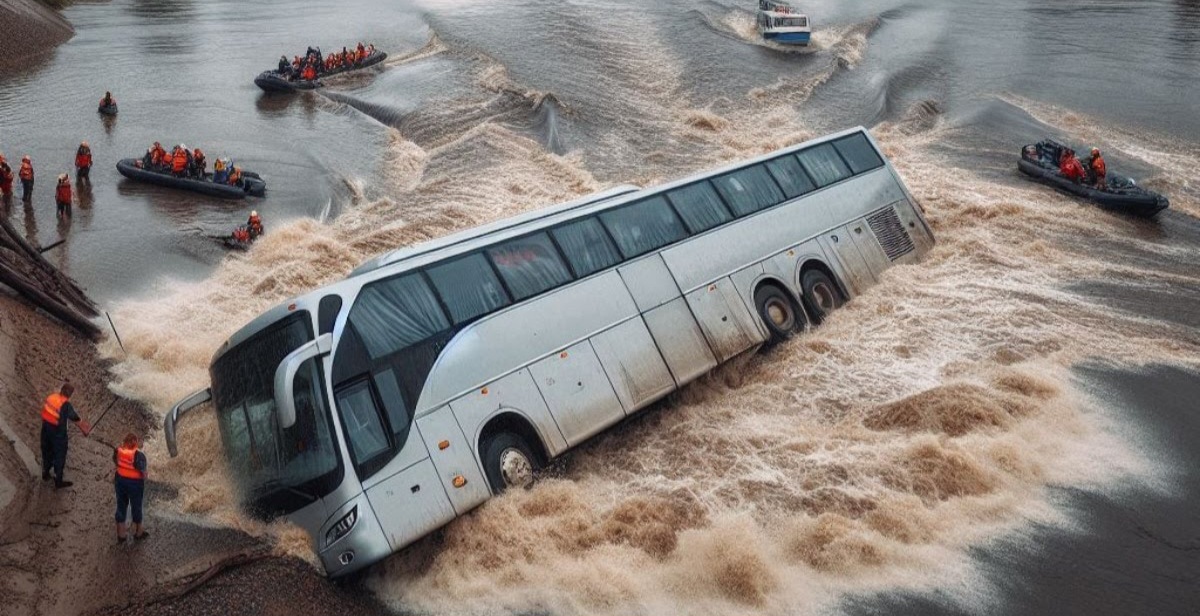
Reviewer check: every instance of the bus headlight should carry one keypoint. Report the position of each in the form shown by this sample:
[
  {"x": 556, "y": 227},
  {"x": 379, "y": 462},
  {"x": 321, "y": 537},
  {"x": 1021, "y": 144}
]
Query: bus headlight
[{"x": 342, "y": 526}]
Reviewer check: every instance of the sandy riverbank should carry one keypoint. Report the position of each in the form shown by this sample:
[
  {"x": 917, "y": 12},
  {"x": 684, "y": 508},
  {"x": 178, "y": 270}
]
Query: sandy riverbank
[
  {"x": 57, "y": 547},
  {"x": 30, "y": 27}
]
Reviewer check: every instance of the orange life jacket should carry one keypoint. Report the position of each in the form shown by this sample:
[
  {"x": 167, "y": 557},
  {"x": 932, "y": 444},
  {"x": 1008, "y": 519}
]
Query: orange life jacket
[
  {"x": 179, "y": 162},
  {"x": 1098, "y": 167},
  {"x": 235, "y": 175},
  {"x": 26, "y": 172},
  {"x": 62, "y": 194},
  {"x": 50, "y": 410},
  {"x": 309, "y": 73},
  {"x": 83, "y": 158},
  {"x": 125, "y": 467}
]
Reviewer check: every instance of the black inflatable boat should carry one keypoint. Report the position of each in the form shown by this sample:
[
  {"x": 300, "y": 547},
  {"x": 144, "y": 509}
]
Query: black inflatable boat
[
  {"x": 109, "y": 110},
  {"x": 1121, "y": 194},
  {"x": 274, "y": 81},
  {"x": 250, "y": 184}
]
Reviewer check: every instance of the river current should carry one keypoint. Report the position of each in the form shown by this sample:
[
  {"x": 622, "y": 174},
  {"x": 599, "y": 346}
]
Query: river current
[{"x": 972, "y": 420}]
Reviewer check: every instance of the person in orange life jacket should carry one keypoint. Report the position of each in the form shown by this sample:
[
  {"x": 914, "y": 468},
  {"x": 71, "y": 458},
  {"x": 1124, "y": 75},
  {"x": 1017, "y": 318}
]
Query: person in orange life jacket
[
  {"x": 309, "y": 73},
  {"x": 83, "y": 163},
  {"x": 26, "y": 176},
  {"x": 199, "y": 165},
  {"x": 1097, "y": 168},
  {"x": 62, "y": 196},
  {"x": 1069, "y": 166},
  {"x": 6, "y": 178},
  {"x": 254, "y": 225},
  {"x": 56, "y": 411},
  {"x": 130, "y": 483},
  {"x": 179, "y": 161}
]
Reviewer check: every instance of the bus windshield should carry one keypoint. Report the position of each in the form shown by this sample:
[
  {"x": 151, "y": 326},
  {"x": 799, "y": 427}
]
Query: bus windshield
[{"x": 276, "y": 471}]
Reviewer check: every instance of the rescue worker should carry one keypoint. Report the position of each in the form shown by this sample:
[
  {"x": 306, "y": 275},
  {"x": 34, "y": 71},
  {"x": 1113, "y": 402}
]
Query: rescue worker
[
  {"x": 360, "y": 53},
  {"x": 284, "y": 66},
  {"x": 1098, "y": 169},
  {"x": 1069, "y": 166},
  {"x": 56, "y": 411},
  {"x": 83, "y": 163},
  {"x": 235, "y": 175},
  {"x": 254, "y": 225},
  {"x": 220, "y": 172},
  {"x": 199, "y": 165},
  {"x": 6, "y": 178},
  {"x": 178, "y": 161},
  {"x": 62, "y": 196},
  {"x": 158, "y": 155},
  {"x": 108, "y": 100},
  {"x": 26, "y": 176},
  {"x": 130, "y": 483},
  {"x": 309, "y": 73}
]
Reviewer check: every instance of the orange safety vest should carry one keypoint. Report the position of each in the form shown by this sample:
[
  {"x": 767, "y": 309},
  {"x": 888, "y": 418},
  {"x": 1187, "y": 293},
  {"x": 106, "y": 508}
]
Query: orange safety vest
[
  {"x": 26, "y": 171},
  {"x": 125, "y": 467},
  {"x": 83, "y": 158},
  {"x": 54, "y": 404},
  {"x": 1098, "y": 167},
  {"x": 179, "y": 162}
]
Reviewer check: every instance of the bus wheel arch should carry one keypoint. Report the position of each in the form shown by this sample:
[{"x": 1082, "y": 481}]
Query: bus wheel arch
[
  {"x": 820, "y": 289},
  {"x": 511, "y": 451},
  {"x": 778, "y": 310}
]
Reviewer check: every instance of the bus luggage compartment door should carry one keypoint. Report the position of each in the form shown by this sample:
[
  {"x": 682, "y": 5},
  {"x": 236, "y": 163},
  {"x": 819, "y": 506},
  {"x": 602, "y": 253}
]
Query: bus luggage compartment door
[
  {"x": 680, "y": 340},
  {"x": 633, "y": 364},
  {"x": 578, "y": 392},
  {"x": 410, "y": 504},
  {"x": 851, "y": 265},
  {"x": 454, "y": 458},
  {"x": 724, "y": 318}
]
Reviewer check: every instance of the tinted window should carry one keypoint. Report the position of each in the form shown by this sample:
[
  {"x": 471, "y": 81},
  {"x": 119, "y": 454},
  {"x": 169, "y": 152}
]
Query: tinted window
[
  {"x": 824, "y": 164},
  {"x": 393, "y": 402},
  {"x": 396, "y": 313},
  {"x": 699, "y": 206},
  {"x": 529, "y": 265},
  {"x": 364, "y": 429},
  {"x": 643, "y": 226},
  {"x": 859, "y": 153},
  {"x": 791, "y": 176},
  {"x": 586, "y": 246},
  {"x": 469, "y": 287},
  {"x": 749, "y": 190}
]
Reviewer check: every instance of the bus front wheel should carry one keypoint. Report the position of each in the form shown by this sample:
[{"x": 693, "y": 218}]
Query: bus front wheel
[
  {"x": 821, "y": 293},
  {"x": 509, "y": 462}
]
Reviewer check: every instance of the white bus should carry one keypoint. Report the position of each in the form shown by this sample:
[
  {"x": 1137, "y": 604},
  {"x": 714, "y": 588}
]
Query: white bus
[{"x": 376, "y": 409}]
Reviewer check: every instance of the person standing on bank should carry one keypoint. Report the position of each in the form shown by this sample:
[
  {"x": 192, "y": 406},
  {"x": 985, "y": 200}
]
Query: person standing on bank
[
  {"x": 130, "y": 482},
  {"x": 55, "y": 413}
]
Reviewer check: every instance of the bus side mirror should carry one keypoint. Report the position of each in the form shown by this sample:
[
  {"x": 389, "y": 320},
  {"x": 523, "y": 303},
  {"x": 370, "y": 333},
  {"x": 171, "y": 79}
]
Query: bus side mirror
[
  {"x": 285, "y": 375},
  {"x": 180, "y": 409}
]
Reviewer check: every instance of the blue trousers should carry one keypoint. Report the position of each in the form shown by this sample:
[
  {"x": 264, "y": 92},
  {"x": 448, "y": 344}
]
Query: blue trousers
[{"x": 129, "y": 496}]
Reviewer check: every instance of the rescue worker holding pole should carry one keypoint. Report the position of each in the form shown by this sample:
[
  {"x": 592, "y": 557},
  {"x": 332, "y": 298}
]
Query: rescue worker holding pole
[
  {"x": 56, "y": 411},
  {"x": 130, "y": 482}
]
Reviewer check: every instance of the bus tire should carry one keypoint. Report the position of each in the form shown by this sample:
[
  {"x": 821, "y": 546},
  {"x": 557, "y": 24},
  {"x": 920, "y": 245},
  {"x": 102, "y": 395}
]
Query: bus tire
[
  {"x": 508, "y": 461},
  {"x": 822, "y": 295},
  {"x": 777, "y": 311}
]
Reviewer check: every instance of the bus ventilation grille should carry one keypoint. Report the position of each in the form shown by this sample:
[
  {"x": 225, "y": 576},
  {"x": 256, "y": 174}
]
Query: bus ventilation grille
[{"x": 892, "y": 236}]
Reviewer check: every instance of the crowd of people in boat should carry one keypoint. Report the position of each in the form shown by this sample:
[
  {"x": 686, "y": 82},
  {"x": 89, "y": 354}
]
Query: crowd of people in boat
[
  {"x": 314, "y": 64},
  {"x": 1092, "y": 171},
  {"x": 182, "y": 162}
]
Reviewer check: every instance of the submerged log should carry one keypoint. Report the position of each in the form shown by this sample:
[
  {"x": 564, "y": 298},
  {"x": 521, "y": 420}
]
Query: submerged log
[{"x": 26, "y": 271}]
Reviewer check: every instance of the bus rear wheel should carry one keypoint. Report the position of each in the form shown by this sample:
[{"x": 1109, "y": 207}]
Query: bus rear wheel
[
  {"x": 777, "y": 312},
  {"x": 821, "y": 293},
  {"x": 508, "y": 461}
]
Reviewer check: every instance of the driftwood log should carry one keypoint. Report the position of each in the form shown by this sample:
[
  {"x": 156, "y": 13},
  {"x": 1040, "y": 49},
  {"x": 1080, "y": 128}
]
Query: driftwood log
[{"x": 26, "y": 271}]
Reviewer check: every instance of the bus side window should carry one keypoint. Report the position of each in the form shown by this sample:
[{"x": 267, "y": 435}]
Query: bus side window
[
  {"x": 858, "y": 152},
  {"x": 529, "y": 265},
  {"x": 393, "y": 403},
  {"x": 748, "y": 190},
  {"x": 644, "y": 226},
  {"x": 469, "y": 287},
  {"x": 396, "y": 313},
  {"x": 364, "y": 427},
  {"x": 791, "y": 176},
  {"x": 586, "y": 246},
  {"x": 699, "y": 206},
  {"x": 824, "y": 164}
]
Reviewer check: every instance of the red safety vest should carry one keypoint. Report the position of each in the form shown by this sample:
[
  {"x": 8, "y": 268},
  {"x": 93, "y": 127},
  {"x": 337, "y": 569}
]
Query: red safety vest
[
  {"x": 62, "y": 194},
  {"x": 125, "y": 467},
  {"x": 54, "y": 403},
  {"x": 83, "y": 159},
  {"x": 26, "y": 172}
]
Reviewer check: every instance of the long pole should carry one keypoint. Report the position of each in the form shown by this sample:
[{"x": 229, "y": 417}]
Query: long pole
[{"x": 114, "y": 328}]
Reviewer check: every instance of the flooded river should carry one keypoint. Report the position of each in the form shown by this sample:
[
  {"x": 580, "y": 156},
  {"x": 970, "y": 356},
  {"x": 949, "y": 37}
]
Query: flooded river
[{"x": 967, "y": 422}]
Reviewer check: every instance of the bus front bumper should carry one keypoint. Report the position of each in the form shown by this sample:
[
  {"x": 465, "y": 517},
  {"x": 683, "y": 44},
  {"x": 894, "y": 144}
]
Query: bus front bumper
[{"x": 362, "y": 545}]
